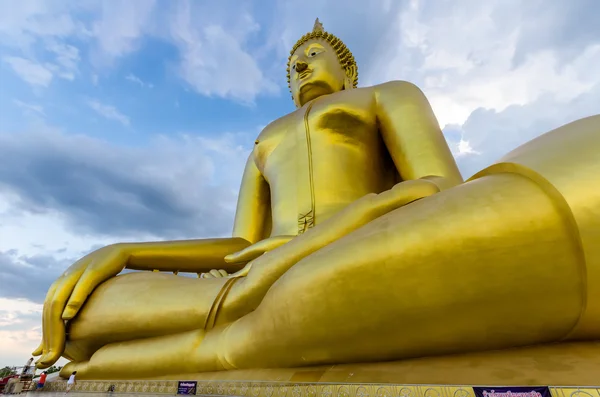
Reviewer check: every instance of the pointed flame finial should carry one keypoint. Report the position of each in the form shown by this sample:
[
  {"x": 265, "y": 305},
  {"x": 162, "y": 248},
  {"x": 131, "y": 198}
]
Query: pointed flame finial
[{"x": 318, "y": 26}]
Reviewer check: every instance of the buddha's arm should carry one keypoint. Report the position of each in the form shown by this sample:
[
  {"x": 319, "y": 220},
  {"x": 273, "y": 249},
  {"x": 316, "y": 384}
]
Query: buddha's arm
[
  {"x": 251, "y": 225},
  {"x": 253, "y": 213},
  {"x": 183, "y": 256},
  {"x": 71, "y": 290},
  {"x": 412, "y": 135}
]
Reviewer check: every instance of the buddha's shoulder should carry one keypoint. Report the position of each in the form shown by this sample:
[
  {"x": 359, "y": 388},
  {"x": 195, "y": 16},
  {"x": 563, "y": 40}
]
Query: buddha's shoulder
[
  {"x": 396, "y": 87},
  {"x": 275, "y": 128}
]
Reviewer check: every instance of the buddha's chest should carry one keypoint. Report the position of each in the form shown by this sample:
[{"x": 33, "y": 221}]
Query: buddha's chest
[{"x": 325, "y": 130}]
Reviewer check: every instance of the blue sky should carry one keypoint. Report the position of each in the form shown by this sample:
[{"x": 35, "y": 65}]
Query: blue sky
[{"x": 131, "y": 120}]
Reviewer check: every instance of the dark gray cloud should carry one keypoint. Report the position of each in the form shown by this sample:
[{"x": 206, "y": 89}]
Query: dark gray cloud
[
  {"x": 29, "y": 277},
  {"x": 566, "y": 27},
  {"x": 170, "y": 188},
  {"x": 11, "y": 321}
]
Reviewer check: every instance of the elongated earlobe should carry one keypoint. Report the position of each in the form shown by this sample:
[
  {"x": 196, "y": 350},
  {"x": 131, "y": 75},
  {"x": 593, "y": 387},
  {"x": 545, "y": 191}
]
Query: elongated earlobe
[{"x": 350, "y": 78}]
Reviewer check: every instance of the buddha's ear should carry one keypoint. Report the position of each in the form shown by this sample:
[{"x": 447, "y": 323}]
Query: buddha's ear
[{"x": 351, "y": 73}]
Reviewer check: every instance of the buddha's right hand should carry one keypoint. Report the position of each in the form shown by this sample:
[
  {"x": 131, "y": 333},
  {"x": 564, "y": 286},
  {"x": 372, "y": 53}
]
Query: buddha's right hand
[
  {"x": 68, "y": 293},
  {"x": 248, "y": 254}
]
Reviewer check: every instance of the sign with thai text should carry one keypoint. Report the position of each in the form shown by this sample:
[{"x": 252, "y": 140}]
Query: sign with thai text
[
  {"x": 512, "y": 391},
  {"x": 186, "y": 387}
]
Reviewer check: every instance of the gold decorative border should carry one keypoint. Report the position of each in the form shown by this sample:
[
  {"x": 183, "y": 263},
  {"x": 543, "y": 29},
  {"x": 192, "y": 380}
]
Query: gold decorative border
[{"x": 285, "y": 389}]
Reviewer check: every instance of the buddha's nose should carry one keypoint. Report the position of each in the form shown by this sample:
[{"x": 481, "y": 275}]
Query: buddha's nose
[{"x": 301, "y": 66}]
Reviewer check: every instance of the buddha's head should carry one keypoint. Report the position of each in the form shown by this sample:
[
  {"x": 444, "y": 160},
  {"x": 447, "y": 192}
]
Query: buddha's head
[{"x": 320, "y": 64}]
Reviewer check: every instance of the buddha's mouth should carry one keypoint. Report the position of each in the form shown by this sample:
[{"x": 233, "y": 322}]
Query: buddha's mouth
[{"x": 304, "y": 74}]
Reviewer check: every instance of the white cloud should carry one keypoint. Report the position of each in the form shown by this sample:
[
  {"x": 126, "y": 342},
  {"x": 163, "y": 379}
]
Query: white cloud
[
  {"x": 108, "y": 111},
  {"x": 212, "y": 41},
  {"x": 134, "y": 79},
  {"x": 22, "y": 26},
  {"x": 464, "y": 57},
  {"x": 66, "y": 59},
  {"x": 28, "y": 107},
  {"x": 213, "y": 58},
  {"x": 31, "y": 72},
  {"x": 20, "y": 330},
  {"x": 120, "y": 26},
  {"x": 491, "y": 134}
]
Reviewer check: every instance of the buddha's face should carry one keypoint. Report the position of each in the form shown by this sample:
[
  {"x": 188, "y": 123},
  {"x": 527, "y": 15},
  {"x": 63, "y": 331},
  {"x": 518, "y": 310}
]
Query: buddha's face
[{"x": 314, "y": 71}]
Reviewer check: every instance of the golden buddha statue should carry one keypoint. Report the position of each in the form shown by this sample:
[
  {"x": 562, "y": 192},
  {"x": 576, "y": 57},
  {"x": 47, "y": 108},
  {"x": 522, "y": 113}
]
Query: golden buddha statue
[{"x": 354, "y": 239}]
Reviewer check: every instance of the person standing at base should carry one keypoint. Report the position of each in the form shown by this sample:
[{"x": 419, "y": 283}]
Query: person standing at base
[
  {"x": 71, "y": 382},
  {"x": 25, "y": 371},
  {"x": 42, "y": 380}
]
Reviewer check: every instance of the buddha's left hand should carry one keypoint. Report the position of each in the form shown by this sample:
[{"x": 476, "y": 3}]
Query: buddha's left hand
[
  {"x": 68, "y": 293},
  {"x": 247, "y": 255}
]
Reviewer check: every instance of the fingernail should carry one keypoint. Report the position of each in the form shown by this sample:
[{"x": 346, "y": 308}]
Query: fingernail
[
  {"x": 46, "y": 358},
  {"x": 68, "y": 313}
]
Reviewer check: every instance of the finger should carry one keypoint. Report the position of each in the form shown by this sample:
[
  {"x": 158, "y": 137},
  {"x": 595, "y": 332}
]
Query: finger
[
  {"x": 248, "y": 253},
  {"x": 255, "y": 250},
  {"x": 215, "y": 273},
  {"x": 45, "y": 324},
  {"x": 223, "y": 273},
  {"x": 206, "y": 275},
  {"x": 408, "y": 191},
  {"x": 243, "y": 272},
  {"x": 111, "y": 264},
  {"x": 39, "y": 350},
  {"x": 54, "y": 324}
]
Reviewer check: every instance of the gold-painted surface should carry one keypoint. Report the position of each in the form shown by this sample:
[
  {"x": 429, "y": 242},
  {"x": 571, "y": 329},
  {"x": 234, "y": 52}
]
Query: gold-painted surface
[{"x": 355, "y": 241}]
